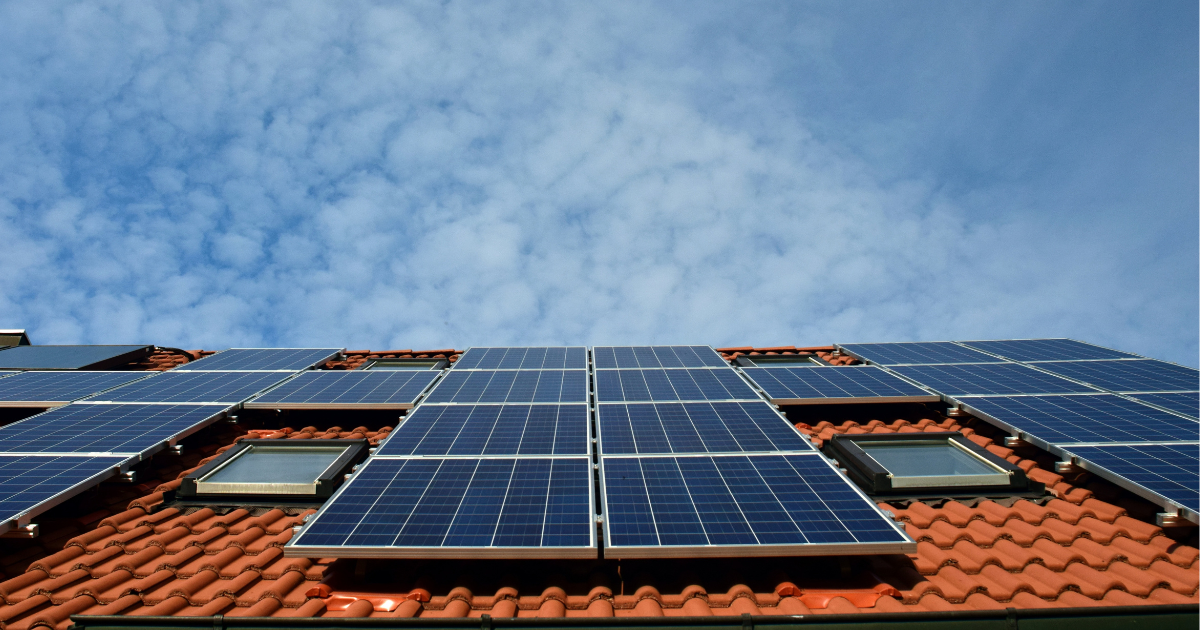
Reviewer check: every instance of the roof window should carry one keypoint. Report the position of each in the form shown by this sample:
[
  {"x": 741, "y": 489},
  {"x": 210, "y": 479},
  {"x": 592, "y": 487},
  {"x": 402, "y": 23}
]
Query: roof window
[
  {"x": 779, "y": 360},
  {"x": 407, "y": 364},
  {"x": 293, "y": 469},
  {"x": 920, "y": 464}
]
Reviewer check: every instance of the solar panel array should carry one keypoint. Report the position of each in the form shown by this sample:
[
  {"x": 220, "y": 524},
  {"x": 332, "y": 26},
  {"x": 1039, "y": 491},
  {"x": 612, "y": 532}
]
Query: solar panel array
[
  {"x": 348, "y": 389},
  {"x": 1119, "y": 415},
  {"x": 229, "y": 388},
  {"x": 66, "y": 357},
  {"x": 51, "y": 389},
  {"x": 33, "y": 482},
  {"x": 496, "y": 461},
  {"x": 804, "y": 385},
  {"x": 125, "y": 429},
  {"x": 262, "y": 360}
]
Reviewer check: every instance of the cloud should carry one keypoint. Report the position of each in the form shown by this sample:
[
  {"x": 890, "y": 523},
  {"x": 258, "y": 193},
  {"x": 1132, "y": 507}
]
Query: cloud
[{"x": 443, "y": 174}]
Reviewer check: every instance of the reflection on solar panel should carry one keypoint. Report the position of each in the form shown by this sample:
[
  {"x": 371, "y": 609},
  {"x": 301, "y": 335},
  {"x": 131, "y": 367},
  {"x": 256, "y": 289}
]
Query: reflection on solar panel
[
  {"x": 194, "y": 387},
  {"x": 1171, "y": 471},
  {"x": 90, "y": 428},
  {"x": 50, "y": 389},
  {"x": 458, "y": 508},
  {"x": 695, "y": 428},
  {"x": 989, "y": 379},
  {"x": 1046, "y": 350},
  {"x": 766, "y": 505},
  {"x": 30, "y": 485},
  {"x": 551, "y": 358},
  {"x": 801, "y": 385},
  {"x": 262, "y": 359},
  {"x": 496, "y": 386},
  {"x": 659, "y": 385},
  {"x": 4, "y": 373},
  {"x": 607, "y": 357},
  {"x": 68, "y": 357},
  {"x": 491, "y": 430},
  {"x": 1183, "y": 402},
  {"x": 348, "y": 389},
  {"x": 1145, "y": 375},
  {"x": 1102, "y": 418},
  {"x": 916, "y": 353}
]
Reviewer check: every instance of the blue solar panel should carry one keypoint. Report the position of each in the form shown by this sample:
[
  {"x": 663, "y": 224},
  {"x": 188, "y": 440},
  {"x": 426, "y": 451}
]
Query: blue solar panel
[
  {"x": 31, "y": 484},
  {"x": 1145, "y": 375},
  {"x": 695, "y": 428},
  {"x": 90, "y": 428},
  {"x": 4, "y": 373},
  {"x": 795, "y": 385},
  {"x": 491, "y": 430},
  {"x": 738, "y": 505},
  {"x": 1183, "y": 402},
  {"x": 468, "y": 508},
  {"x": 194, "y": 387},
  {"x": 1046, "y": 350},
  {"x": 607, "y": 357},
  {"x": 988, "y": 379},
  {"x": 916, "y": 353},
  {"x": 1171, "y": 471},
  {"x": 662, "y": 385},
  {"x": 536, "y": 358},
  {"x": 67, "y": 357},
  {"x": 500, "y": 386},
  {"x": 348, "y": 389},
  {"x": 46, "y": 389},
  {"x": 1102, "y": 418},
  {"x": 262, "y": 359}
]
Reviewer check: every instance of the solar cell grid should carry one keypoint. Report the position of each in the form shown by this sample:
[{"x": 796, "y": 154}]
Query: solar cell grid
[
  {"x": 336, "y": 389},
  {"x": 67, "y": 357},
  {"x": 728, "y": 427},
  {"x": 98, "y": 428},
  {"x": 459, "y": 508},
  {"x": 1145, "y": 375},
  {"x": 989, "y": 379},
  {"x": 611, "y": 357},
  {"x": 194, "y": 387},
  {"x": 738, "y": 505},
  {"x": 1046, "y": 349},
  {"x": 1187, "y": 403},
  {"x": 31, "y": 484},
  {"x": 1171, "y": 471},
  {"x": 521, "y": 358},
  {"x": 917, "y": 353},
  {"x": 797, "y": 385},
  {"x": 661, "y": 385},
  {"x": 508, "y": 386},
  {"x": 490, "y": 430},
  {"x": 262, "y": 359},
  {"x": 57, "y": 388},
  {"x": 1073, "y": 419}
]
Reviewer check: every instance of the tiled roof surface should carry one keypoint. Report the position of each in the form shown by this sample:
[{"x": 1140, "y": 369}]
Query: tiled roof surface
[
  {"x": 1089, "y": 544},
  {"x": 356, "y": 358},
  {"x": 829, "y": 354}
]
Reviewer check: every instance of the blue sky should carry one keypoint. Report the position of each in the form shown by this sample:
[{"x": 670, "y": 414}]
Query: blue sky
[{"x": 415, "y": 175}]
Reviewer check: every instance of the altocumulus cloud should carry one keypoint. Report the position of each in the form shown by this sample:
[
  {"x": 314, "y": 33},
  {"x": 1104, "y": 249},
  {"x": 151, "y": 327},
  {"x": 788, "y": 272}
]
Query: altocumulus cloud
[{"x": 434, "y": 174}]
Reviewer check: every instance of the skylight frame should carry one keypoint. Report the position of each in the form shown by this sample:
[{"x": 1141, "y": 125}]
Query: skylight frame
[{"x": 195, "y": 487}]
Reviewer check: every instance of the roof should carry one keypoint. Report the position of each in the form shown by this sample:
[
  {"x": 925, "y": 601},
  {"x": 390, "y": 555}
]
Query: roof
[{"x": 1086, "y": 544}]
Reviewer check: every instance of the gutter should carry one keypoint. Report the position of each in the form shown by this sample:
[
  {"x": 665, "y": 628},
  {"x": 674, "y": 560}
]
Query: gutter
[{"x": 1164, "y": 617}]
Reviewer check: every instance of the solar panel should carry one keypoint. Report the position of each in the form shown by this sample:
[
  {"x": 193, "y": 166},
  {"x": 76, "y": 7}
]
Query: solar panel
[
  {"x": 458, "y": 508},
  {"x": 348, "y": 389},
  {"x": 539, "y": 358},
  {"x": 722, "y": 427},
  {"x": 510, "y": 386},
  {"x": 262, "y": 360},
  {"x": 1168, "y": 470},
  {"x": 1144, "y": 375},
  {"x": 804, "y": 385},
  {"x": 50, "y": 389},
  {"x": 1046, "y": 350},
  {"x": 916, "y": 353},
  {"x": 761, "y": 505},
  {"x": 662, "y": 385},
  {"x": 68, "y": 357},
  {"x": 194, "y": 387},
  {"x": 100, "y": 428},
  {"x": 1101, "y": 418},
  {"x": 1183, "y": 402},
  {"x": 30, "y": 485},
  {"x": 608, "y": 357},
  {"x": 4, "y": 373},
  {"x": 490, "y": 430},
  {"x": 988, "y": 379}
]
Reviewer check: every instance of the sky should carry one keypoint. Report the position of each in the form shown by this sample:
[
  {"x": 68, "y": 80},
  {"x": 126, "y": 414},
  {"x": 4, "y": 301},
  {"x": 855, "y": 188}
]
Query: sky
[{"x": 447, "y": 174}]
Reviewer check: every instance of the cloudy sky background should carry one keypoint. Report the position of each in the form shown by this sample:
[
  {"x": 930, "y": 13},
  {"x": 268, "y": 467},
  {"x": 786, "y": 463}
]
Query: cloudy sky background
[{"x": 446, "y": 174}]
